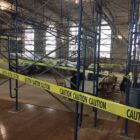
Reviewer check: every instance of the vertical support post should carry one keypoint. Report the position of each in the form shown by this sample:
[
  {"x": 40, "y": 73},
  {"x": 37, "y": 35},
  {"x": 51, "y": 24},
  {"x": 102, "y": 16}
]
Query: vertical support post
[
  {"x": 66, "y": 56},
  {"x": 95, "y": 66},
  {"x": 98, "y": 45},
  {"x": 129, "y": 60},
  {"x": 16, "y": 34},
  {"x": 78, "y": 70},
  {"x": 68, "y": 29},
  {"x": 9, "y": 65},
  {"x": 83, "y": 80},
  {"x": 97, "y": 53}
]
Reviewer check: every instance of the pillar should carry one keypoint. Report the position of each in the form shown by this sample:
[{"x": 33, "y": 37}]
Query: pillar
[
  {"x": 62, "y": 42},
  {"x": 40, "y": 43}
]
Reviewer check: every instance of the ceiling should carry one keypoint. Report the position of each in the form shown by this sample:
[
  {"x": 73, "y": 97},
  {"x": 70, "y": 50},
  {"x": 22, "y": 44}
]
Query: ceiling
[
  {"x": 116, "y": 11},
  {"x": 119, "y": 11}
]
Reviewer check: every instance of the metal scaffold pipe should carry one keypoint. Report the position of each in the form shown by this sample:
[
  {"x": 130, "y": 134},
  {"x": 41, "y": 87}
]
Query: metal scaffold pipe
[
  {"x": 83, "y": 78},
  {"x": 133, "y": 38},
  {"x": 78, "y": 69},
  {"x": 98, "y": 7},
  {"x": 16, "y": 34}
]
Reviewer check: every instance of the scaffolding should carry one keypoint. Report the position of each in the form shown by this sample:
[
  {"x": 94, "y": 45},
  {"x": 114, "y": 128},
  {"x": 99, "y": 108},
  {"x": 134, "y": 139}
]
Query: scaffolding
[
  {"x": 87, "y": 42},
  {"x": 133, "y": 53}
]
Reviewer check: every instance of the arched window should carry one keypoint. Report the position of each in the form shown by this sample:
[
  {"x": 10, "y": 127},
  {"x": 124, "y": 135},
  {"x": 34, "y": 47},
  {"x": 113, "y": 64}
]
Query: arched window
[
  {"x": 105, "y": 46},
  {"x": 135, "y": 54},
  {"x": 73, "y": 43},
  {"x": 51, "y": 40},
  {"x": 29, "y": 39}
]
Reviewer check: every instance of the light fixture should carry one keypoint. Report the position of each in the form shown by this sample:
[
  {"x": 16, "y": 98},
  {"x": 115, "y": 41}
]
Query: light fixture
[
  {"x": 5, "y": 5},
  {"x": 76, "y": 1},
  {"x": 119, "y": 37}
]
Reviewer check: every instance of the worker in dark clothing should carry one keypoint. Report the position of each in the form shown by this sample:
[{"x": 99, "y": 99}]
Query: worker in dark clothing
[
  {"x": 74, "y": 80},
  {"x": 123, "y": 85},
  {"x": 125, "y": 81}
]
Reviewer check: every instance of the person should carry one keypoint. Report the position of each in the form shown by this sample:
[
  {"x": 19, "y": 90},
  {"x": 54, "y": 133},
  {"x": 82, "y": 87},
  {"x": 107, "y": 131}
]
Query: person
[
  {"x": 73, "y": 81},
  {"x": 123, "y": 84}
]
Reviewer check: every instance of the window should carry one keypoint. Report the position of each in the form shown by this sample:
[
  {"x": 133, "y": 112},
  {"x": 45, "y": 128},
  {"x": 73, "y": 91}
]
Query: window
[
  {"x": 135, "y": 54},
  {"x": 73, "y": 43},
  {"x": 51, "y": 40},
  {"x": 29, "y": 39},
  {"x": 105, "y": 42}
]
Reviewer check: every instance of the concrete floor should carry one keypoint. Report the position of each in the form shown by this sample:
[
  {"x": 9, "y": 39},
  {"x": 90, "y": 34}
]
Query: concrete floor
[
  {"x": 34, "y": 123},
  {"x": 109, "y": 127},
  {"x": 36, "y": 96},
  {"x": 40, "y": 123}
]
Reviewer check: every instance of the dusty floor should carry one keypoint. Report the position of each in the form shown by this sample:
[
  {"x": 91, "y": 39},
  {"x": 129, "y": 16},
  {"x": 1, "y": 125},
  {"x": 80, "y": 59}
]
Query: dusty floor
[
  {"x": 109, "y": 127},
  {"x": 34, "y": 123},
  {"x": 40, "y": 123},
  {"x": 39, "y": 97}
]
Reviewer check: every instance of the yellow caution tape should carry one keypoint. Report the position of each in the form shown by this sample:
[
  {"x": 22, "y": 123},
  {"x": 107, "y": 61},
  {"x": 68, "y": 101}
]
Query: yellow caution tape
[
  {"x": 108, "y": 106},
  {"x": 55, "y": 60},
  {"x": 105, "y": 64},
  {"x": 49, "y": 65},
  {"x": 112, "y": 64},
  {"x": 58, "y": 60},
  {"x": 41, "y": 64},
  {"x": 62, "y": 67},
  {"x": 3, "y": 60},
  {"x": 58, "y": 67}
]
